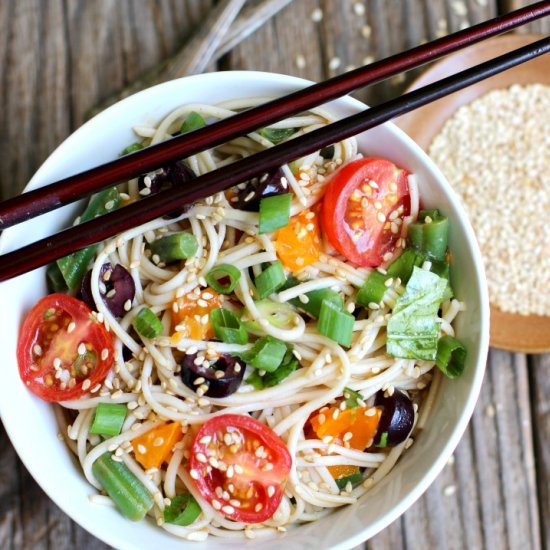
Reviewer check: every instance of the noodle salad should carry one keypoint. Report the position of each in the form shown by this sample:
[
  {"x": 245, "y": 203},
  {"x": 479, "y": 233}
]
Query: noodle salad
[{"x": 255, "y": 360}]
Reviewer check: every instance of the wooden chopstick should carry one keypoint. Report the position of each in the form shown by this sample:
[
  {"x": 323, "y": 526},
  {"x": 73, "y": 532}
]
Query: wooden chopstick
[
  {"x": 67, "y": 190},
  {"x": 49, "y": 249}
]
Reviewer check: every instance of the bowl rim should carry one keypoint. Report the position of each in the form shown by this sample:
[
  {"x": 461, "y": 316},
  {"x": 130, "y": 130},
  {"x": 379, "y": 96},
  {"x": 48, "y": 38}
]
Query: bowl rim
[{"x": 468, "y": 407}]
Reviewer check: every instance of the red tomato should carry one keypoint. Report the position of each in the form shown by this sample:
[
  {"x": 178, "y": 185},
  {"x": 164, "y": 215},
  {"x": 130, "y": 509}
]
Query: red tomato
[
  {"x": 61, "y": 346},
  {"x": 239, "y": 457},
  {"x": 363, "y": 208}
]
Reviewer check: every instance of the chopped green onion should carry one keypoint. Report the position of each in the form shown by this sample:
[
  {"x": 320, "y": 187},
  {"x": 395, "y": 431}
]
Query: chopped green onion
[
  {"x": 178, "y": 246},
  {"x": 383, "y": 440},
  {"x": 335, "y": 324},
  {"x": 131, "y": 148},
  {"x": 315, "y": 299},
  {"x": 54, "y": 278},
  {"x": 276, "y": 135},
  {"x": 183, "y": 510},
  {"x": 429, "y": 233},
  {"x": 270, "y": 379},
  {"x": 267, "y": 354},
  {"x": 354, "y": 479},
  {"x": 274, "y": 212},
  {"x": 123, "y": 487},
  {"x": 270, "y": 280},
  {"x": 373, "y": 290},
  {"x": 451, "y": 356},
  {"x": 108, "y": 419},
  {"x": 74, "y": 266},
  {"x": 228, "y": 327},
  {"x": 352, "y": 398},
  {"x": 147, "y": 323},
  {"x": 327, "y": 152},
  {"x": 402, "y": 266},
  {"x": 220, "y": 273},
  {"x": 193, "y": 121},
  {"x": 277, "y": 314},
  {"x": 286, "y": 369}
]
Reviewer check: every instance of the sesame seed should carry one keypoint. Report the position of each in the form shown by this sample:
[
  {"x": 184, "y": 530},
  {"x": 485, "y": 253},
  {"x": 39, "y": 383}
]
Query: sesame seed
[
  {"x": 450, "y": 490},
  {"x": 300, "y": 61},
  {"x": 104, "y": 354},
  {"x": 86, "y": 384},
  {"x": 193, "y": 473},
  {"x": 334, "y": 63},
  {"x": 270, "y": 491},
  {"x": 317, "y": 15},
  {"x": 359, "y": 8},
  {"x": 228, "y": 509},
  {"x": 70, "y": 327},
  {"x": 81, "y": 349},
  {"x": 37, "y": 349}
]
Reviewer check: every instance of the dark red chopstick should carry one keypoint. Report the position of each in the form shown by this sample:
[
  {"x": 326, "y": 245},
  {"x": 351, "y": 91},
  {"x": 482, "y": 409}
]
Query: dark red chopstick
[
  {"x": 49, "y": 249},
  {"x": 44, "y": 199}
]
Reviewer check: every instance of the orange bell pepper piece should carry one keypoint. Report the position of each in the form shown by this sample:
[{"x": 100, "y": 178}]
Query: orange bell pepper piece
[
  {"x": 155, "y": 446},
  {"x": 299, "y": 244},
  {"x": 361, "y": 426}
]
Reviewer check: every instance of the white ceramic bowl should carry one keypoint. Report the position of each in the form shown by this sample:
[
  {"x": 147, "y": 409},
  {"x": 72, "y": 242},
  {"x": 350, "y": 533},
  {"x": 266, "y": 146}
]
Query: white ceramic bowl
[{"x": 30, "y": 422}]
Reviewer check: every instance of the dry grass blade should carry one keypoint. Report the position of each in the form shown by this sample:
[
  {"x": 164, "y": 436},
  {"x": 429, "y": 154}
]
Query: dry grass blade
[{"x": 192, "y": 58}]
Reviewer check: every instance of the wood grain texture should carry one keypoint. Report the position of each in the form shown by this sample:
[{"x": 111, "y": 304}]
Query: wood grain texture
[{"x": 61, "y": 57}]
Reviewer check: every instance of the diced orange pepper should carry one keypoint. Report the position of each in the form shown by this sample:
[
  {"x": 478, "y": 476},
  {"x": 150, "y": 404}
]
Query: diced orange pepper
[
  {"x": 362, "y": 427},
  {"x": 155, "y": 446},
  {"x": 191, "y": 314},
  {"x": 299, "y": 244},
  {"x": 344, "y": 470}
]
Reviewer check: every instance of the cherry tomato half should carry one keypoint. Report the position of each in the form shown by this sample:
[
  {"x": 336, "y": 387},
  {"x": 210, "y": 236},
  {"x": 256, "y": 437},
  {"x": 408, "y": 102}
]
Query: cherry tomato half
[
  {"x": 239, "y": 457},
  {"x": 363, "y": 209},
  {"x": 61, "y": 346}
]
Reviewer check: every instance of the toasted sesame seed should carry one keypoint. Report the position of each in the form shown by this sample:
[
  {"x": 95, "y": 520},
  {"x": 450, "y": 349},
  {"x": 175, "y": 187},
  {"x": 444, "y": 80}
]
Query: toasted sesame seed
[
  {"x": 300, "y": 61},
  {"x": 228, "y": 509},
  {"x": 193, "y": 473}
]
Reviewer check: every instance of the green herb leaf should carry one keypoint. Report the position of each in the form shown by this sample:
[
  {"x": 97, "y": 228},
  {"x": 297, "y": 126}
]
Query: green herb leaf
[{"x": 413, "y": 328}]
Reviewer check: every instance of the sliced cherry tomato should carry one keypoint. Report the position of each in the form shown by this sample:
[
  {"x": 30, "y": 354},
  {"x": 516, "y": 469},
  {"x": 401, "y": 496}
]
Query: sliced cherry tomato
[
  {"x": 239, "y": 457},
  {"x": 190, "y": 314},
  {"x": 63, "y": 350},
  {"x": 298, "y": 244},
  {"x": 363, "y": 209}
]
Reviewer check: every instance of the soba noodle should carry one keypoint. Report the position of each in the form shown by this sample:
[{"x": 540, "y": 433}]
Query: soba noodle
[{"x": 150, "y": 384}]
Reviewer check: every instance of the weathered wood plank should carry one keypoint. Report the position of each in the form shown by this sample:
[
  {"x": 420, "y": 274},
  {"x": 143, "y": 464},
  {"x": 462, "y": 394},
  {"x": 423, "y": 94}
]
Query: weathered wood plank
[
  {"x": 63, "y": 56},
  {"x": 540, "y": 402}
]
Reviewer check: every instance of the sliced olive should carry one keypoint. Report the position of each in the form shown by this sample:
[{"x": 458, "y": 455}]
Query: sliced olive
[
  {"x": 175, "y": 175},
  {"x": 267, "y": 184},
  {"x": 116, "y": 287},
  {"x": 397, "y": 419},
  {"x": 219, "y": 385}
]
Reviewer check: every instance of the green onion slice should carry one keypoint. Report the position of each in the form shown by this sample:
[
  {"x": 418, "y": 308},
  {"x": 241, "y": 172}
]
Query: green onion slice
[
  {"x": 178, "y": 246},
  {"x": 125, "y": 489},
  {"x": 352, "y": 398},
  {"x": 402, "y": 266},
  {"x": 131, "y": 148},
  {"x": 183, "y": 510},
  {"x": 373, "y": 290},
  {"x": 354, "y": 479},
  {"x": 274, "y": 212},
  {"x": 315, "y": 299},
  {"x": 277, "y": 314},
  {"x": 270, "y": 280},
  {"x": 451, "y": 356},
  {"x": 276, "y": 135},
  {"x": 270, "y": 379},
  {"x": 335, "y": 324},
  {"x": 267, "y": 354},
  {"x": 429, "y": 234},
  {"x": 228, "y": 327},
  {"x": 223, "y": 272},
  {"x": 108, "y": 419},
  {"x": 147, "y": 323},
  {"x": 193, "y": 121}
]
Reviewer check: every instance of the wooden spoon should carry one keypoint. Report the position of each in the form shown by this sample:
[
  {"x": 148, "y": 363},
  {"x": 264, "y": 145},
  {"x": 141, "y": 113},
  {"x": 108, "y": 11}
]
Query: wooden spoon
[{"x": 509, "y": 331}]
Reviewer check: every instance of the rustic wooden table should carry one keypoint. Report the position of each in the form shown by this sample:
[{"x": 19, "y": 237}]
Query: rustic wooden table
[{"x": 61, "y": 57}]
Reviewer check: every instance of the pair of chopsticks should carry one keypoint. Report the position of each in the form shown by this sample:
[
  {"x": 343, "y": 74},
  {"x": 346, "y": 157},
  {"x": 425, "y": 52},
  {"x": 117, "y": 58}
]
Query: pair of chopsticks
[{"x": 65, "y": 191}]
